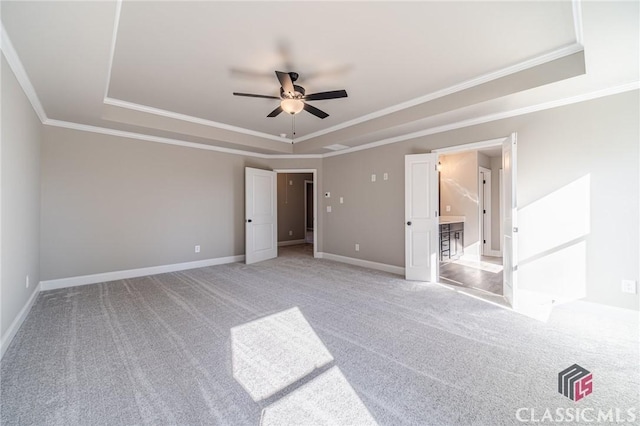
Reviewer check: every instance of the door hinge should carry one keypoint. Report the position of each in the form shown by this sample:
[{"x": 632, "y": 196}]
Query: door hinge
[
  {"x": 484, "y": 182},
  {"x": 484, "y": 212},
  {"x": 484, "y": 241}
]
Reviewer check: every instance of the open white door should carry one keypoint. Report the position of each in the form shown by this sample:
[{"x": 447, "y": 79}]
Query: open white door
[
  {"x": 509, "y": 220},
  {"x": 421, "y": 217},
  {"x": 261, "y": 218}
]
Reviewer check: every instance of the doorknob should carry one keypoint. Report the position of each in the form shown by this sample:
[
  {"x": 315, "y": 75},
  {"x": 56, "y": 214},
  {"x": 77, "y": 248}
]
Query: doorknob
[
  {"x": 249, "y": 220},
  {"x": 409, "y": 223}
]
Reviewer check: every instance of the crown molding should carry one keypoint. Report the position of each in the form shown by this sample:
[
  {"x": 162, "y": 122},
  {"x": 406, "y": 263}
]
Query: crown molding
[
  {"x": 539, "y": 60},
  {"x": 112, "y": 50},
  {"x": 168, "y": 141},
  {"x": 16, "y": 66},
  {"x": 493, "y": 117},
  {"x": 189, "y": 118}
]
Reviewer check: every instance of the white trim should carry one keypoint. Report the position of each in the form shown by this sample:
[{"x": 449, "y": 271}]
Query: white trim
[
  {"x": 191, "y": 119},
  {"x": 112, "y": 51},
  {"x": 21, "y": 74},
  {"x": 17, "y": 322},
  {"x": 315, "y": 202},
  {"x": 493, "y": 117},
  {"x": 132, "y": 273},
  {"x": 291, "y": 243},
  {"x": 577, "y": 21},
  {"x": 398, "y": 270},
  {"x": 470, "y": 146},
  {"x": 494, "y": 253},
  {"x": 542, "y": 59}
]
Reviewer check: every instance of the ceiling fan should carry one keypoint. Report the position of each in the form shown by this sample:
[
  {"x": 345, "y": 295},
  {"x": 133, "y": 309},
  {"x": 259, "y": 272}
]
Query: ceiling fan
[{"x": 292, "y": 97}]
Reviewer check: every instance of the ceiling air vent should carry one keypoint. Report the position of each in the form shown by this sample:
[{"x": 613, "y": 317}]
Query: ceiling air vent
[{"x": 337, "y": 147}]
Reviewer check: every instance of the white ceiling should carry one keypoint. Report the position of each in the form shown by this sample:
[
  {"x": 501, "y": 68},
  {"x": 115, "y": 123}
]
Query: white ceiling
[{"x": 168, "y": 69}]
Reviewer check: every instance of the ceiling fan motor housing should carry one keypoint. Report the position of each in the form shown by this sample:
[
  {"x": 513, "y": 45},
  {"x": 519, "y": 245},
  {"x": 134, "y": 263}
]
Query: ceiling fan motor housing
[{"x": 299, "y": 92}]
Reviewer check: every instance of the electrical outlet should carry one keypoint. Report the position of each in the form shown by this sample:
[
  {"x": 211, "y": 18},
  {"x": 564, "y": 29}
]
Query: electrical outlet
[
  {"x": 328, "y": 209},
  {"x": 629, "y": 286},
  {"x": 341, "y": 200},
  {"x": 290, "y": 183},
  {"x": 357, "y": 247},
  {"x": 27, "y": 281},
  {"x": 448, "y": 208},
  {"x": 373, "y": 178},
  {"x": 290, "y": 233},
  {"x": 197, "y": 249},
  {"x": 385, "y": 176}
]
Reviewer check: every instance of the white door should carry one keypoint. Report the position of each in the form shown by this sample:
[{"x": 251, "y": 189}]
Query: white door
[
  {"x": 261, "y": 219},
  {"x": 421, "y": 217},
  {"x": 509, "y": 220}
]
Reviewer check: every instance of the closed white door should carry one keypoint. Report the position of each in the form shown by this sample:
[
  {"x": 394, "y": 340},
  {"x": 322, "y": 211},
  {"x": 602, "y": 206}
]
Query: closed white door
[
  {"x": 421, "y": 217},
  {"x": 509, "y": 221},
  {"x": 261, "y": 218}
]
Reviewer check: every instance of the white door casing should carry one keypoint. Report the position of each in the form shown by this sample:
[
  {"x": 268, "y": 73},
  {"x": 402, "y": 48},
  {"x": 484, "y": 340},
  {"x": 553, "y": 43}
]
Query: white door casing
[
  {"x": 485, "y": 213},
  {"x": 509, "y": 220},
  {"x": 421, "y": 217},
  {"x": 261, "y": 218}
]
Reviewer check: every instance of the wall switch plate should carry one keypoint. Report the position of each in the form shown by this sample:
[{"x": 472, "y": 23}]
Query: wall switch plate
[
  {"x": 197, "y": 249},
  {"x": 328, "y": 209},
  {"x": 385, "y": 176},
  {"x": 290, "y": 233},
  {"x": 357, "y": 247},
  {"x": 448, "y": 208},
  {"x": 341, "y": 200},
  {"x": 629, "y": 286},
  {"x": 373, "y": 178},
  {"x": 327, "y": 195},
  {"x": 290, "y": 183}
]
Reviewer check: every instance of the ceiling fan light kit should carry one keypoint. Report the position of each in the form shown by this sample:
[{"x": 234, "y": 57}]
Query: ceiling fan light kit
[{"x": 293, "y": 97}]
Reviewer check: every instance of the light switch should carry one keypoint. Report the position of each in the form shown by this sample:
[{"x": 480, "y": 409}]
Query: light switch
[
  {"x": 341, "y": 200},
  {"x": 290, "y": 183},
  {"x": 373, "y": 178},
  {"x": 328, "y": 209}
]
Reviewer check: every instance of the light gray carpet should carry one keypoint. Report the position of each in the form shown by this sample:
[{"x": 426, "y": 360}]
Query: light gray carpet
[{"x": 189, "y": 347}]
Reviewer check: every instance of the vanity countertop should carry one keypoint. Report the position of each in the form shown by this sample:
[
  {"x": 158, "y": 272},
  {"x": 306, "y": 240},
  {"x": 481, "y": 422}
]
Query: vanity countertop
[{"x": 451, "y": 219}]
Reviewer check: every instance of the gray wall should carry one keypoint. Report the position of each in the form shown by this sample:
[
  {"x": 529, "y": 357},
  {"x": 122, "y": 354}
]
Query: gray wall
[
  {"x": 111, "y": 204},
  {"x": 291, "y": 205},
  {"x": 556, "y": 147},
  {"x": 20, "y": 183}
]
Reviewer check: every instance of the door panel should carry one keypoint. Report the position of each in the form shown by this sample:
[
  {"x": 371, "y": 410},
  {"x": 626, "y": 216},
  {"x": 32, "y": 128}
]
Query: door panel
[
  {"x": 421, "y": 217},
  {"x": 509, "y": 220},
  {"x": 261, "y": 232}
]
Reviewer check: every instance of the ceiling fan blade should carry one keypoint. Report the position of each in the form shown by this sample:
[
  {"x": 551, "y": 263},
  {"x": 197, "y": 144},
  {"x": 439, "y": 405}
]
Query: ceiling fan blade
[
  {"x": 275, "y": 112},
  {"x": 315, "y": 111},
  {"x": 285, "y": 81},
  {"x": 252, "y": 95},
  {"x": 334, "y": 94}
]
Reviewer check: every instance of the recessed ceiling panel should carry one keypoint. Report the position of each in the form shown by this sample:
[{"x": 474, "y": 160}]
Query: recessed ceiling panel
[{"x": 188, "y": 57}]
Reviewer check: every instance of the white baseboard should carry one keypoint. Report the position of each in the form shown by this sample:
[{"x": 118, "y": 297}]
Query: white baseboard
[
  {"x": 363, "y": 263},
  {"x": 132, "y": 273},
  {"x": 495, "y": 253},
  {"x": 17, "y": 322},
  {"x": 291, "y": 243}
]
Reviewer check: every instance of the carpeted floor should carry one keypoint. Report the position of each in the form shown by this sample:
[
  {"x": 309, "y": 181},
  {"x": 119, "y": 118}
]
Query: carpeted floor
[{"x": 297, "y": 340}]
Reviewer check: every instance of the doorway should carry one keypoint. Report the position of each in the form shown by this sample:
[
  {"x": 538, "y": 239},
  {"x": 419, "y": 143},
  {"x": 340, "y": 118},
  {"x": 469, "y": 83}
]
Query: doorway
[
  {"x": 297, "y": 212},
  {"x": 469, "y": 264}
]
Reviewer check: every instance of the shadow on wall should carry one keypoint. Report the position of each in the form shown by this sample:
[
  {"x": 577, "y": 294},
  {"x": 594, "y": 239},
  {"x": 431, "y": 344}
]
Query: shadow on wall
[{"x": 552, "y": 246}]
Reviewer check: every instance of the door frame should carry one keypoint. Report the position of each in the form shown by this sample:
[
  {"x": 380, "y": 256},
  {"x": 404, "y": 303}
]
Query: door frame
[
  {"x": 306, "y": 206},
  {"x": 476, "y": 146},
  {"x": 315, "y": 202}
]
